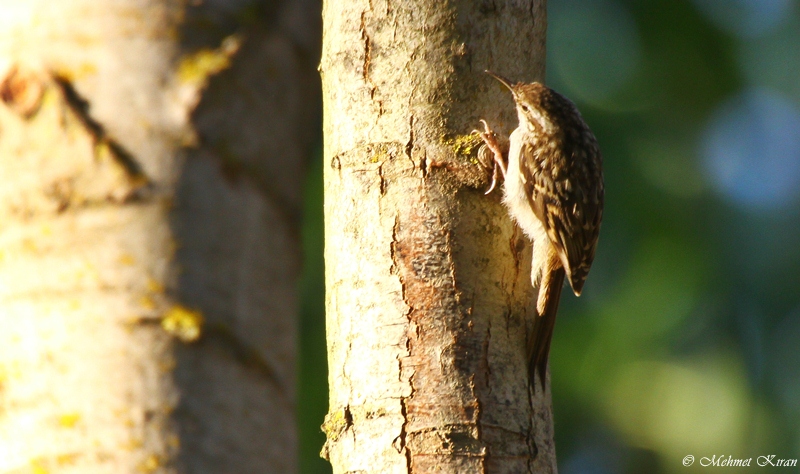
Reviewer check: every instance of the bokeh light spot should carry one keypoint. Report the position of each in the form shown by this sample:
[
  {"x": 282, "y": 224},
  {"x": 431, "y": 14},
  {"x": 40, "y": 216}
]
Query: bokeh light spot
[
  {"x": 751, "y": 150},
  {"x": 768, "y": 61},
  {"x": 668, "y": 163},
  {"x": 678, "y": 409},
  {"x": 745, "y": 17},
  {"x": 594, "y": 48},
  {"x": 657, "y": 293}
]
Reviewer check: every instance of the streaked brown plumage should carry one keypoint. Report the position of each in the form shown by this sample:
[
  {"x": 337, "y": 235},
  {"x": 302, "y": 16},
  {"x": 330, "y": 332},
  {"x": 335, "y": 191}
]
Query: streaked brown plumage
[{"x": 554, "y": 191}]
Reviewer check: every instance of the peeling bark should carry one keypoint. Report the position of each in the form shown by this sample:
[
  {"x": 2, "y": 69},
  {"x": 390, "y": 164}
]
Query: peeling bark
[{"x": 428, "y": 295}]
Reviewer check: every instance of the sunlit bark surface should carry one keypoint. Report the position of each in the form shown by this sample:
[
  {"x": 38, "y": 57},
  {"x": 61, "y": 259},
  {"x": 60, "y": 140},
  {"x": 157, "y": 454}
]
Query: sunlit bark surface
[{"x": 428, "y": 294}]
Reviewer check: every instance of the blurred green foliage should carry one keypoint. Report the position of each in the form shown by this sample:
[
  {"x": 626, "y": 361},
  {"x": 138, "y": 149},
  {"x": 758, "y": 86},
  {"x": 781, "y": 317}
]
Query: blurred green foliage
[
  {"x": 687, "y": 338},
  {"x": 312, "y": 397},
  {"x": 685, "y": 342}
]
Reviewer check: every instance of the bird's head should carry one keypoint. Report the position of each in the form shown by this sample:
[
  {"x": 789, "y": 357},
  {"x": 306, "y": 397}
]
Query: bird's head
[{"x": 533, "y": 104}]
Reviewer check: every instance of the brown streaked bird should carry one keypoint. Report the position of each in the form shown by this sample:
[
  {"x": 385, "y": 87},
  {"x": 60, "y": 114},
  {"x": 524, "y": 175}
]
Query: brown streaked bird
[{"x": 554, "y": 191}]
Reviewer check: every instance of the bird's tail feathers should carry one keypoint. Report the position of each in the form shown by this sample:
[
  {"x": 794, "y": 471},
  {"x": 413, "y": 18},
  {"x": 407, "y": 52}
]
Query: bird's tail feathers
[{"x": 546, "y": 308}]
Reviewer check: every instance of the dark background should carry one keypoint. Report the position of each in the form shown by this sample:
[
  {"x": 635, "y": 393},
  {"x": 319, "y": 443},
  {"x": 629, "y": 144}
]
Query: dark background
[{"x": 686, "y": 339}]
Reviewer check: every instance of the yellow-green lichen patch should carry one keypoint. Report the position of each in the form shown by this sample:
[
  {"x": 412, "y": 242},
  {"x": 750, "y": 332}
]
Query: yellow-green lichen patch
[
  {"x": 378, "y": 152},
  {"x": 183, "y": 323},
  {"x": 336, "y": 423},
  {"x": 199, "y": 66},
  {"x": 69, "y": 420},
  {"x": 38, "y": 466},
  {"x": 464, "y": 145},
  {"x": 67, "y": 459},
  {"x": 150, "y": 464},
  {"x": 77, "y": 72},
  {"x": 155, "y": 286}
]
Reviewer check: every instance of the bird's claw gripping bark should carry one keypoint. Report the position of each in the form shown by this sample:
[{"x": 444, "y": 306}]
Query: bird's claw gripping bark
[{"x": 490, "y": 139}]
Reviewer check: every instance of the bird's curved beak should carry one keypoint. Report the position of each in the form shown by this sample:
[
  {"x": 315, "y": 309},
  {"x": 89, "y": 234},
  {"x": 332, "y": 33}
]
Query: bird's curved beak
[{"x": 502, "y": 80}]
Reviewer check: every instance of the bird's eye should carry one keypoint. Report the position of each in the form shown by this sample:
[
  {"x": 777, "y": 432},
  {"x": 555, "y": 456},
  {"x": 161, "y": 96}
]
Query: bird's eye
[{"x": 525, "y": 108}]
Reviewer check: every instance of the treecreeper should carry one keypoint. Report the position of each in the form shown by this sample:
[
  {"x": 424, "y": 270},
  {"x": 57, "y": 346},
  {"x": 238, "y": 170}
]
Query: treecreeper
[{"x": 553, "y": 189}]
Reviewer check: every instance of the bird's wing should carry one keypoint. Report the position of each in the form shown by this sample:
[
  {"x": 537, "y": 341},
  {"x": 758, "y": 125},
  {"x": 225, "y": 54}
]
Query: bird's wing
[{"x": 567, "y": 201}]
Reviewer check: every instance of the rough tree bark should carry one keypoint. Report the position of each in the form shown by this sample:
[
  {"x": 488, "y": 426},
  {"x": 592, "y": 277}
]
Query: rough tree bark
[
  {"x": 145, "y": 200},
  {"x": 428, "y": 288}
]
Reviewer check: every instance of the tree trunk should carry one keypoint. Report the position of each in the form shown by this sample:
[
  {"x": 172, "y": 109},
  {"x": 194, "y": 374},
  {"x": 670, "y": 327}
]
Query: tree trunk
[
  {"x": 428, "y": 282},
  {"x": 147, "y": 245}
]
